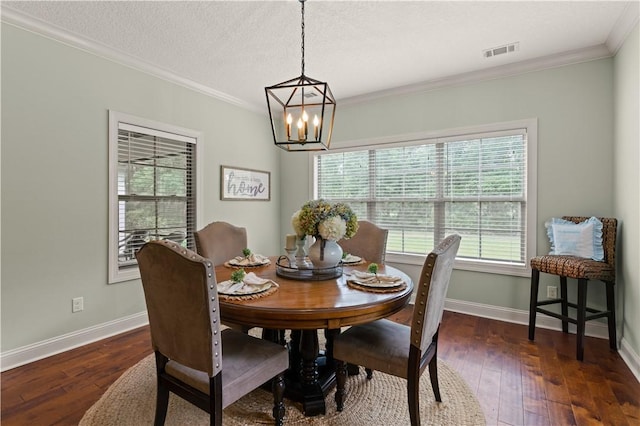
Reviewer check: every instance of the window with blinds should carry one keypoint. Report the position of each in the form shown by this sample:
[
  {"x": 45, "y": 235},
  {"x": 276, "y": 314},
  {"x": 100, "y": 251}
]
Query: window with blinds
[
  {"x": 474, "y": 185},
  {"x": 153, "y": 189}
]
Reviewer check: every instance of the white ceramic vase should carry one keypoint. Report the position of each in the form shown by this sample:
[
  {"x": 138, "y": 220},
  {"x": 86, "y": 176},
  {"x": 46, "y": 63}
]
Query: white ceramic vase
[{"x": 325, "y": 253}]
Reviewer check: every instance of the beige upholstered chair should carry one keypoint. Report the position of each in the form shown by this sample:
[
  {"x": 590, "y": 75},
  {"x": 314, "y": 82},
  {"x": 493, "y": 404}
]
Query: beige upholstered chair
[
  {"x": 194, "y": 359},
  {"x": 583, "y": 270},
  {"x": 398, "y": 349},
  {"x": 369, "y": 242},
  {"x": 220, "y": 241}
]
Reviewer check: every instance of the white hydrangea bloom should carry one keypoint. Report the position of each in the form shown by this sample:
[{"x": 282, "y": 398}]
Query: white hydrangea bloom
[{"x": 332, "y": 228}]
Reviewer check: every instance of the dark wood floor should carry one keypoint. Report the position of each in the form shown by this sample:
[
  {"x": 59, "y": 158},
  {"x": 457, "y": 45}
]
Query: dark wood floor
[{"x": 517, "y": 382}]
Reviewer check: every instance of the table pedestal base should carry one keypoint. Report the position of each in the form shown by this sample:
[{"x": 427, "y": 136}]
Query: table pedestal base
[{"x": 311, "y": 375}]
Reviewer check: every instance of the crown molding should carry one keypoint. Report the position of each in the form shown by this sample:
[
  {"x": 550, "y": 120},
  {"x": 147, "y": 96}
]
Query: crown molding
[
  {"x": 623, "y": 27},
  {"x": 538, "y": 64},
  {"x": 37, "y": 26}
]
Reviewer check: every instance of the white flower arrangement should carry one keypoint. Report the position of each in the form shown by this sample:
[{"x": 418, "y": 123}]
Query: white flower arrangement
[{"x": 324, "y": 220}]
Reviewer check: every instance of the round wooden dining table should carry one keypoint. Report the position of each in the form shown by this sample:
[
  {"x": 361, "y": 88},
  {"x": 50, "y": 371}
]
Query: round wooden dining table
[{"x": 305, "y": 306}]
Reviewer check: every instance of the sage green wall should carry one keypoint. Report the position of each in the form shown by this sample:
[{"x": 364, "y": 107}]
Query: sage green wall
[
  {"x": 574, "y": 107},
  {"x": 55, "y": 100},
  {"x": 627, "y": 183}
]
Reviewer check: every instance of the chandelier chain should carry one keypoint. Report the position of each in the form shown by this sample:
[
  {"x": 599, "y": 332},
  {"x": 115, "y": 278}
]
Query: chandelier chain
[{"x": 302, "y": 28}]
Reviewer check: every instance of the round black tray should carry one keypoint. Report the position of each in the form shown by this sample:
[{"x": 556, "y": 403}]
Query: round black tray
[{"x": 284, "y": 269}]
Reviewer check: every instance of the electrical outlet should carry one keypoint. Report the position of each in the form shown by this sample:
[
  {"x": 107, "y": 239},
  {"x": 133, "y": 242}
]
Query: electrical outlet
[
  {"x": 77, "y": 304},
  {"x": 552, "y": 292}
]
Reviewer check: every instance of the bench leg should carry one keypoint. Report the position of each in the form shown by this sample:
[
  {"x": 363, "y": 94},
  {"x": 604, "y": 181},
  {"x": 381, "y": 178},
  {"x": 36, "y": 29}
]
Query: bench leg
[
  {"x": 564, "y": 304},
  {"x": 533, "y": 302},
  {"x": 582, "y": 313},
  {"x": 611, "y": 319}
]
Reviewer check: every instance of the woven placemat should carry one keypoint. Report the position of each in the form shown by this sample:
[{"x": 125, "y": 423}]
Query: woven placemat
[
  {"x": 254, "y": 296},
  {"x": 377, "y": 289}
]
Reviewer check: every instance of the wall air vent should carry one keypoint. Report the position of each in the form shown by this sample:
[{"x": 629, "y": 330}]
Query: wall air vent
[
  {"x": 500, "y": 50},
  {"x": 310, "y": 94}
]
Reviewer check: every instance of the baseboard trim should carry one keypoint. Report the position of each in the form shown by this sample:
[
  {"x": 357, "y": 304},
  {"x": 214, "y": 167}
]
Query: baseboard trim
[
  {"x": 630, "y": 357},
  {"x": 592, "y": 329},
  {"x": 46, "y": 348}
]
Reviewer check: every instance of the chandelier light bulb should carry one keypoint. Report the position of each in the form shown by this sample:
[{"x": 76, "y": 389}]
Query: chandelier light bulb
[
  {"x": 300, "y": 129},
  {"x": 289, "y": 121},
  {"x": 316, "y": 122}
]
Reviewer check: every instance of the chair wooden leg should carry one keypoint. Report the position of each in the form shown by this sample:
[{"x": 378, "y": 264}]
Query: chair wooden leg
[
  {"x": 369, "y": 373},
  {"x": 277, "y": 387},
  {"x": 162, "y": 391},
  {"x": 341, "y": 379},
  {"x": 564, "y": 303},
  {"x": 413, "y": 395},
  {"x": 533, "y": 302},
  {"x": 433, "y": 373},
  {"x": 215, "y": 388},
  {"x": 582, "y": 312},
  {"x": 162, "y": 402},
  {"x": 611, "y": 319}
]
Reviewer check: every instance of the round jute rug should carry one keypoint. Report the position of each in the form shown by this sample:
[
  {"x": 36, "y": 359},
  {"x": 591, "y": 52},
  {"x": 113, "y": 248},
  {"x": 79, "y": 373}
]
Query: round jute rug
[{"x": 380, "y": 401}]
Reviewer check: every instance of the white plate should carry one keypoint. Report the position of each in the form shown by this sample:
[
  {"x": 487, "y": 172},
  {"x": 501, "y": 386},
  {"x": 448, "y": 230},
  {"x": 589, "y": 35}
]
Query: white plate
[
  {"x": 351, "y": 259},
  {"x": 378, "y": 284},
  {"x": 235, "y": 262},
  {"x": 242, "y": 289}
]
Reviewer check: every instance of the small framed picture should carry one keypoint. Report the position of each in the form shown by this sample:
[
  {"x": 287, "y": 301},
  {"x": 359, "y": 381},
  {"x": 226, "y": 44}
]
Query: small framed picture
[{"x": 244, "y": 184}]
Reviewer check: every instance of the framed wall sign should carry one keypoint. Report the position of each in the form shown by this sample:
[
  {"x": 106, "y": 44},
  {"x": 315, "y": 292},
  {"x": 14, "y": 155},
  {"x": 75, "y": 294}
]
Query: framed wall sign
[{"x": 244, "y": 184}]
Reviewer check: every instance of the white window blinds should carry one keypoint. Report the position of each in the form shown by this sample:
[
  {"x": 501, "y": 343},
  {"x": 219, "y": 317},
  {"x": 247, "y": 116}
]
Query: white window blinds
[
  {"x": 155, "y": 190},
  {"x": 421, "y": 191}
]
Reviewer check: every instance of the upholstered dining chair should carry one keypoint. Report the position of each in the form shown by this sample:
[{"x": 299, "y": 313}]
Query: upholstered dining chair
[
  {"x": 400, "y": 350},
  {"x": 195, "y": 360},
  {"x": 584, "y": 270},
  {"x": 369, "y": 242},
  {"x": 220, "y": 241}
]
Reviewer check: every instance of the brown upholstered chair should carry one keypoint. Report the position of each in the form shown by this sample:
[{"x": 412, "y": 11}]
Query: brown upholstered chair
[
  {"x": 398, "y": 349},
  {"x": 195, "y": 359},
  {"x": 583, "y": 270},
  {"x": 220, "y": 241},
  {"x": 369, "y": 242}
]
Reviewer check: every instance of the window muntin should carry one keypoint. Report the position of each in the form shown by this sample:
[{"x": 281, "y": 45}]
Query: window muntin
[
  {"x": 475, "y": 185},
  {"x": 152, "y": 189}
]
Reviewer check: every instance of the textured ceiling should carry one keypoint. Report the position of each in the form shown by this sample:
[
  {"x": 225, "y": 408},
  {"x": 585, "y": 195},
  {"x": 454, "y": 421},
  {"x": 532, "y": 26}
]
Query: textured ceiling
[{"x": 236, "y": 48}]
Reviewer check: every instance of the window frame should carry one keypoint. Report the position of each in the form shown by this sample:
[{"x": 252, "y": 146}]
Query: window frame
[
  {"x": 117, "y": 274},
  {"x": 476, "y": 265}
]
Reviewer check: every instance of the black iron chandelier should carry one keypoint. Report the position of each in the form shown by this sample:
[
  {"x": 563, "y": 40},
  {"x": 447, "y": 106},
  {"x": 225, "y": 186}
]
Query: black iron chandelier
[{"x": 301, "y": 111}]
